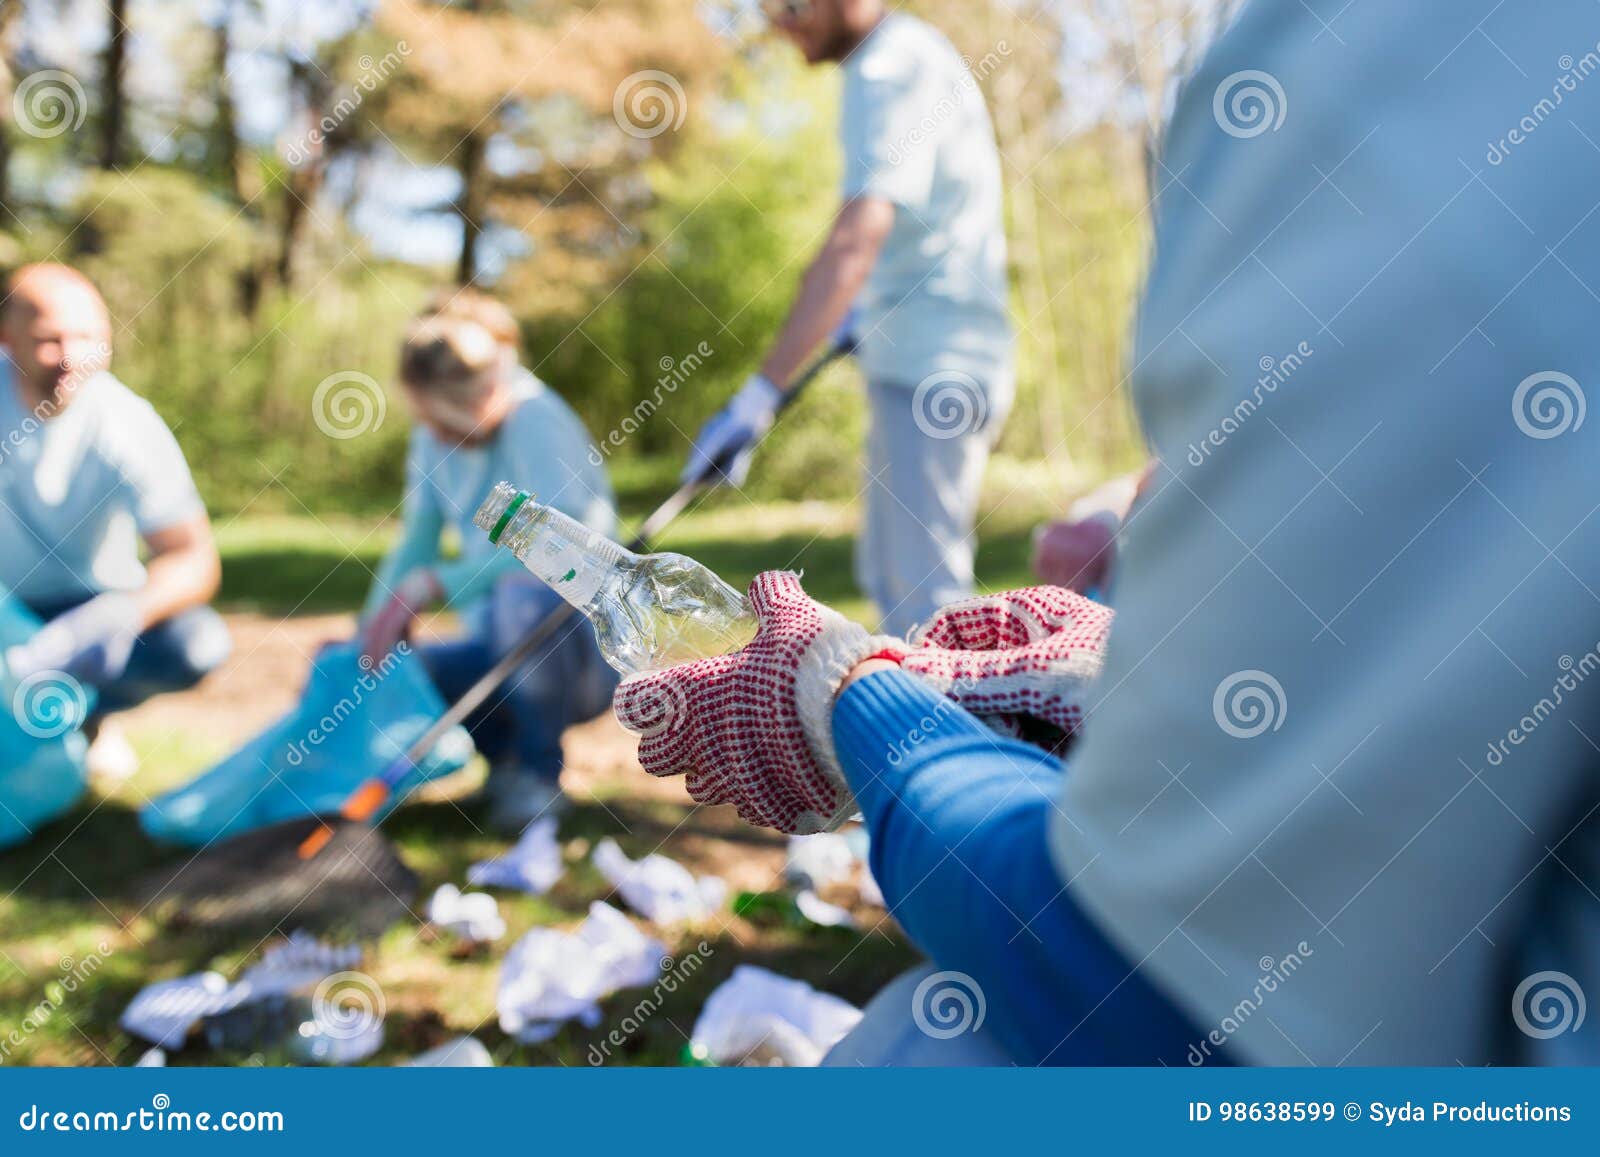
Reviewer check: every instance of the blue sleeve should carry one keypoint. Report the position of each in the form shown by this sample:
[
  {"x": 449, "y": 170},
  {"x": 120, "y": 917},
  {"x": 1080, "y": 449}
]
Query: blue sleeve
[
  {"x": 958, "y": 818},
  {"x": 421, "y": 523}
]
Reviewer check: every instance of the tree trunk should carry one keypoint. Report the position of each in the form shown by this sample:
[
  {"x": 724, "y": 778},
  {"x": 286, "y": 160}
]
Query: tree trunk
[
  {"x": 469, "y": 204},
  {"x": 113, "y": 108}
]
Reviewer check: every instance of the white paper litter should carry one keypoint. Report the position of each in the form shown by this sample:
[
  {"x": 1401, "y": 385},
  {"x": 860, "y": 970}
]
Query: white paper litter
[
  {"x": 819, "y": 860},
  {"x": 464, "y": 1052},
  {"x": 300, "y": 962},
  {"x": 659, "y": 889},
  {"x": 551, "y": 977},
  {"x": 817, "y": 910},
  {"x": 469, "y": 915},
  {"x": 532, "y": 865},
  {"x": 164, "y": 1013},
  {"x": 757, "y": 1016}
]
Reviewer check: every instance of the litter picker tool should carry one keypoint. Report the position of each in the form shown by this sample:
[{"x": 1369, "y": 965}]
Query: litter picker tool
[{"x": 374, "y": 794}]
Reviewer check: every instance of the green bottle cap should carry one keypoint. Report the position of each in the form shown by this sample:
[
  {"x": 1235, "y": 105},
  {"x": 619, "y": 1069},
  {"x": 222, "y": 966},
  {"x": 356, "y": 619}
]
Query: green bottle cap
[{"x": 500, "y": 527}]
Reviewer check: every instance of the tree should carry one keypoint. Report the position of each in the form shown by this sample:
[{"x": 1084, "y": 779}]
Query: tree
[
  {"x": 528, "y": 105},
  {"x": 113, "y": 98}
]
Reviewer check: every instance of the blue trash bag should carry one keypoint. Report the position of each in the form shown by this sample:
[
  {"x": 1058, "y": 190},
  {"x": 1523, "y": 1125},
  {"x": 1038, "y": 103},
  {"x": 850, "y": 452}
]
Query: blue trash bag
[
  {"x": 350, "y": 724},
  {"x": 41, "y": 739}
]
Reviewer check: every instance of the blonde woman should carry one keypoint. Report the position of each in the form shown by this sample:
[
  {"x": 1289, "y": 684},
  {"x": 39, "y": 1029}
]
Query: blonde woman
[{"x": 480, "y": 417}]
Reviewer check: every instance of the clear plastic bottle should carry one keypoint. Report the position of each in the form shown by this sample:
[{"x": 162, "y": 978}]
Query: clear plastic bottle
[{"x": 649, "y": 611}]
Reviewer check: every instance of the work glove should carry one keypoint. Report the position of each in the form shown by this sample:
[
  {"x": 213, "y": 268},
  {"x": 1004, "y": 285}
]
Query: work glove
[
  {"x": 1010, "y": 658},
  {"x": 392, "y": 622},
  {"x": 726, "y": 443},
  {"x": 754, "y": 728},
  {"x": 91, "y": 642},
  {"x": 1077, "y": 554}
]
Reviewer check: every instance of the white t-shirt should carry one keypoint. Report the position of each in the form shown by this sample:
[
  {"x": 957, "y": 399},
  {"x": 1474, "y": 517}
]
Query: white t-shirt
[
  {"x": 79, "y": 486},
  {"x": 915, "y": 130}
]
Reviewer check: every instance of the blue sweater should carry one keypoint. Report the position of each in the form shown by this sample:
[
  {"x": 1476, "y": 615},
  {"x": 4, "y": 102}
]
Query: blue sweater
[{"x": 959, "y": 819}]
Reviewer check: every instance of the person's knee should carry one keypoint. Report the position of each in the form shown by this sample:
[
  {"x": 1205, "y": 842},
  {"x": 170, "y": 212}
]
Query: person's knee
[{"x": 197, "y": 642}]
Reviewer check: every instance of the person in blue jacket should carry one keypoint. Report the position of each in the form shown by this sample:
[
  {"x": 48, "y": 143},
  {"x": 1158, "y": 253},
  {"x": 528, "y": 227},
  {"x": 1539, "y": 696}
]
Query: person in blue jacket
[
  {"x": 480, "y": 419},
  {"x": 1333, "y": 798}
]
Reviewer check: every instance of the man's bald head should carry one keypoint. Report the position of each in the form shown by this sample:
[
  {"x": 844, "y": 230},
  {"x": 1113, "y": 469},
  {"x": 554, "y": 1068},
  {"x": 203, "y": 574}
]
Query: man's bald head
[{"x": 56, "y": 328}]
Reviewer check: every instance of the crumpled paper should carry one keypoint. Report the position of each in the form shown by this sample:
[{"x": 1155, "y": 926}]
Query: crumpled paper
[
  {"x": 759, "y": 1017},
  {"x": 818, "y": 860},
  {"x": 551, "y": 977},
  {"x": 469, "y": 915},
  {"x": 164, "y": 1013},
  {"x": 661, "y": 890},
  {"x": 532, "y": 865},
  {"x": 464, "y": 1052}
]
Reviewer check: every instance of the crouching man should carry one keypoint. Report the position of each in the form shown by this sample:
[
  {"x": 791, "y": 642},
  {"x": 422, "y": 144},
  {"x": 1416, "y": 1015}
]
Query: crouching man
[{"x": 88, "y": 470}]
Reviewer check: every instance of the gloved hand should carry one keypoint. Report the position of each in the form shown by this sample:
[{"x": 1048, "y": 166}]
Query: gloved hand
[
  {"x": 1031, "y": 652},
  {"x": 726, "y": 443},
  {"x": 754, "y": 728},
  {"x": 91, "y": 642},
  {"x": 412, "y": 595},
  {"x": 1077, "y": 554}
]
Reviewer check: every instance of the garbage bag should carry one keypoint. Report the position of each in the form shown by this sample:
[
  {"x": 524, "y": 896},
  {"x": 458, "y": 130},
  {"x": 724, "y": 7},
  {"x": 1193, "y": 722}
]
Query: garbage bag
[
  {"x": 41, "y": 742},
  {"x": 353, "y": 719}
]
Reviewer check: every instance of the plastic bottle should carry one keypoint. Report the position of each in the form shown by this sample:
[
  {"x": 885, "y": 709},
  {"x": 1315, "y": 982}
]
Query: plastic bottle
[{"x": 649, "y": 611}]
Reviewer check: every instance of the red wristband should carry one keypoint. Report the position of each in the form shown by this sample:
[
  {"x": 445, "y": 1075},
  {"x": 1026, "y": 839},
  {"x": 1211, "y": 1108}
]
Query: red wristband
[{"x": 888, "y": 656}]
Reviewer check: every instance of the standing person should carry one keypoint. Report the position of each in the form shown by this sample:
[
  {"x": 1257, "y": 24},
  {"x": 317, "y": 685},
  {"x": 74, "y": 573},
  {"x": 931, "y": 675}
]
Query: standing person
[
  {"x": 481, "y": 418},
  {"x": 918, "y": 244},
  {"x": 1335, "y": 797},
  {"x": 88, "y": 472}
]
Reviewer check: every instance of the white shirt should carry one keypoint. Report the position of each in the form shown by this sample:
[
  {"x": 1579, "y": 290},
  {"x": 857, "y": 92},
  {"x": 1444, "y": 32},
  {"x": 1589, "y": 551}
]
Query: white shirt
[
  {"x": 79, "y": 486},
  {"x": 915, "y": 130}
]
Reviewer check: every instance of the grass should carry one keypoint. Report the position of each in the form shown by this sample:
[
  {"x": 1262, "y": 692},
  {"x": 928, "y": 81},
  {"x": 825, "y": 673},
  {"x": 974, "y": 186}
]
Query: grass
[{"x": 66, "y": 897}]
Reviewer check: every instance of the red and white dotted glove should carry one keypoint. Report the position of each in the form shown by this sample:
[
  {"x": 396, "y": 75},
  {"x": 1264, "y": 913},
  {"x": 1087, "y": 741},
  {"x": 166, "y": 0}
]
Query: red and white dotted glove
[
  {"x": 1031, "y": 652},
  {"x": 754, "y": 728}
]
